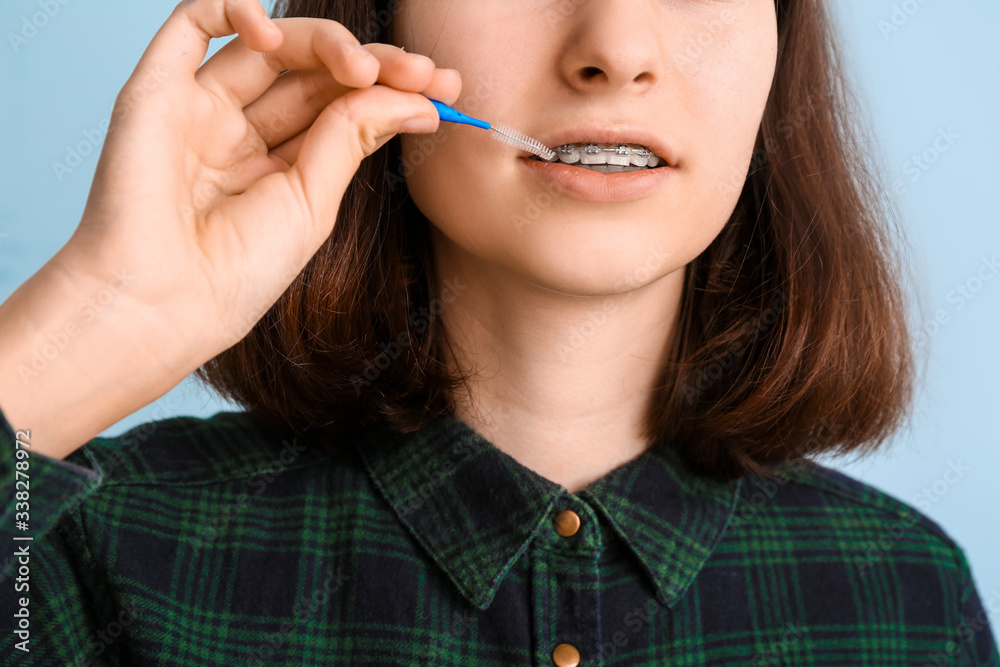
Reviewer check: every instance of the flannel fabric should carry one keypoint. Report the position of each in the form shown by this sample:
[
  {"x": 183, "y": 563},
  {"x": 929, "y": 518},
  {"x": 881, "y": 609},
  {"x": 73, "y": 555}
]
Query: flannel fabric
[{"x": 219, "y": 541}]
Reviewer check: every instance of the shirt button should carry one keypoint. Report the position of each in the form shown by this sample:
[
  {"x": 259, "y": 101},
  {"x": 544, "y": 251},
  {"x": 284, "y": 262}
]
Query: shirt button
[
  {"x": 565, "y": 655},
  {"x": 566, "y": 524}
]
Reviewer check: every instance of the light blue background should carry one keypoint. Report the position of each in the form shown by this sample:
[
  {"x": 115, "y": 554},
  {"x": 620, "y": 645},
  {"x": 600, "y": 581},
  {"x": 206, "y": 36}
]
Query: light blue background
[{"x": 940, "y": 69}]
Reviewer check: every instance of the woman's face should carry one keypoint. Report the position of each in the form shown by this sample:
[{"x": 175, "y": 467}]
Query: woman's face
[{"x": 692, "y": 76}]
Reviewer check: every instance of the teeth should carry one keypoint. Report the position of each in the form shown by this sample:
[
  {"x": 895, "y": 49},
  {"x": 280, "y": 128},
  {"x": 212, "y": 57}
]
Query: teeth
[
  {"x": 568, "y": 155},
  {"x": 593, "y": 155},
  {"x": 619, "y": 156}
]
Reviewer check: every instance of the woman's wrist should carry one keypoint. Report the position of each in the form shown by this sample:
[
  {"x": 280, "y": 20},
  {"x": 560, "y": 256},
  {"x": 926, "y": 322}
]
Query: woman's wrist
[{"x": 77, "y": 354}]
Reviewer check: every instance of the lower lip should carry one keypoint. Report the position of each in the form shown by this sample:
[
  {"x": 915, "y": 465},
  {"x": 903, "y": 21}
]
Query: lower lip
[{"x": 594, "y": 186}]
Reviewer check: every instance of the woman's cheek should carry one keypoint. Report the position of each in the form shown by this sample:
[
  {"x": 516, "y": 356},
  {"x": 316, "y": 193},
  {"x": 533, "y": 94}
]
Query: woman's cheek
[
  {"x": 445, "y": 181},
  {"x": 728, "y": 99}
]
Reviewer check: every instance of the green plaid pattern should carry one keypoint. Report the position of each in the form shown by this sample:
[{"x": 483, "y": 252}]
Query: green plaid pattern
[{"x": 219, "y": 541}]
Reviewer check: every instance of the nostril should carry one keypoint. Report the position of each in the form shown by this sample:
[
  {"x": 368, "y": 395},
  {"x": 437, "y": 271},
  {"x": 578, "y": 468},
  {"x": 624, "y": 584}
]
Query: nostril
[{"x": 591, "y": 72}]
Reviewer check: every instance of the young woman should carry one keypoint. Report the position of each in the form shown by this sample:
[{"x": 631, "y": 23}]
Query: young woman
[{"x": 498, "y": 411}]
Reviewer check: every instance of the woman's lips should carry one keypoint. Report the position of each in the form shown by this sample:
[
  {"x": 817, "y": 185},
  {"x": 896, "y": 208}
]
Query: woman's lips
[{"x": 594, "y": 186}]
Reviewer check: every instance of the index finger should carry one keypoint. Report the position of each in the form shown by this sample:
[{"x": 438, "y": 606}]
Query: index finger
[
  {"x": 182, "y": 40},
  {"x": 309, "y": 44}
]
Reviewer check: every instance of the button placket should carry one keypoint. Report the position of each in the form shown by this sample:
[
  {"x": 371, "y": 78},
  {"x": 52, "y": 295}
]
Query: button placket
[{"x": 566, "y": 584}]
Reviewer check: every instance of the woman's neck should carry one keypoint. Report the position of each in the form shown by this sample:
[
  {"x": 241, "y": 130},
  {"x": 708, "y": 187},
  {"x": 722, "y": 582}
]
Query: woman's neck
[{"x": 564, "y": 382}]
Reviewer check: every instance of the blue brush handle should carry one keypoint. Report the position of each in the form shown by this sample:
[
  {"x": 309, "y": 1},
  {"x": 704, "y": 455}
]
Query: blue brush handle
[
  {"x": 452, "y": 116},
  {"x": 446, "y": 113}
]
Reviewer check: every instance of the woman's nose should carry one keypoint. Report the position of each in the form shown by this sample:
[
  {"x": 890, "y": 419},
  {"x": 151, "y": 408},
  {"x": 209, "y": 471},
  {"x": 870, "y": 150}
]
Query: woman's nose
[{"x": 612, "y": 45}]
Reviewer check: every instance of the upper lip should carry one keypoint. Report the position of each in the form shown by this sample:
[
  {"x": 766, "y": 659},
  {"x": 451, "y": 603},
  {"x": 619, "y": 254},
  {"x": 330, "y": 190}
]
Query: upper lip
[{"x": 620, "y": 134}]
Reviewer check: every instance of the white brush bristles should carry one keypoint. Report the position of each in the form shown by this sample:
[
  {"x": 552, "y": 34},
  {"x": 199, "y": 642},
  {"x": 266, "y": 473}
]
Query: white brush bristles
[{"x": 522, "y": 141}]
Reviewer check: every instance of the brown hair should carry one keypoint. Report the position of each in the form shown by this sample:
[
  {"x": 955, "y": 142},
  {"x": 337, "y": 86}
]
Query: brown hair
[{"x": 793, "y": 337}]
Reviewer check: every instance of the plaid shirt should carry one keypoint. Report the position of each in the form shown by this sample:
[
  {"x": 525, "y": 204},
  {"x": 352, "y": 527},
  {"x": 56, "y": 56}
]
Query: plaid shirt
[{"x": 216, "y": 541}]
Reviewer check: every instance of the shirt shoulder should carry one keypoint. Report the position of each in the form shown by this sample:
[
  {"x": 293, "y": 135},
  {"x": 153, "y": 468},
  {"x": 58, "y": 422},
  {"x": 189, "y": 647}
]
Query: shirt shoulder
[
  {"x": 838, "y": 489},
  {"x": 187, "y": 450},
  {"x": 859, "y": 551},
  {"x": 845, "y": 518}
]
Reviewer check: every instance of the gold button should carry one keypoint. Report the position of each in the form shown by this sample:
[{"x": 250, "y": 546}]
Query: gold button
[
  {"x": 565, "y": 655},
  {"x": 567, "y": 523}
]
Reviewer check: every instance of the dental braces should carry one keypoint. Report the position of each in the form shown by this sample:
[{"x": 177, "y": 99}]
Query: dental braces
[{"x": 594, "y": 149}]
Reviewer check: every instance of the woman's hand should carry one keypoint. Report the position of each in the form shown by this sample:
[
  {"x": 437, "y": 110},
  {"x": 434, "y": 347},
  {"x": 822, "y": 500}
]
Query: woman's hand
[{"x": 215, "y": 186}]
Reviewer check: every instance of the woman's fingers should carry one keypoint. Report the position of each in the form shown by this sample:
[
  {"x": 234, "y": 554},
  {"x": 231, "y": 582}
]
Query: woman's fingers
[
  {"x": 297, "y": 98},
  {"x": 288, "y": 151},
  {"x": 242, "y": 73},
  {"x": 347, "y": 131},
  {"x": 286, "y": 154},
  {"x": 292, "y": 104},
  {"x": 182, "y": 41}
]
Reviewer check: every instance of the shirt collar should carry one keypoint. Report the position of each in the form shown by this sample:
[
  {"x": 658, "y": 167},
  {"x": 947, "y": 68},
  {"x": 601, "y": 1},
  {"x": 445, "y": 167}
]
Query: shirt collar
[{"x": 475, "y": 509}]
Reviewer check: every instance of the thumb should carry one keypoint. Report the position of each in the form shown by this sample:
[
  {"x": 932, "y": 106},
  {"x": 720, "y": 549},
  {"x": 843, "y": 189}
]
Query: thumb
[{"x": 348, "y": 130}]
